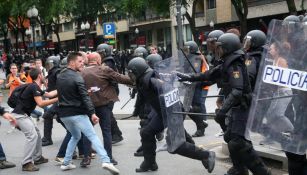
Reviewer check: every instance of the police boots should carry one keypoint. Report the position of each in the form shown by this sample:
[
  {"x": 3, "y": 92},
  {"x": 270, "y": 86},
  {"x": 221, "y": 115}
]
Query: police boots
[
  {"x": 147, "y": 166},
  {"x": 200, "y": 129},
  {"x": 234, "y": 171}
]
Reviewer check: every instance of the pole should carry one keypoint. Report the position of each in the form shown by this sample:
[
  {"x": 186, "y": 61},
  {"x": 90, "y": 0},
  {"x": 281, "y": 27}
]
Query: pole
[
  {"x": 86, "y": 40},
  {"x": 179, "y": 24},
  {"x": 33, "y": 32}
]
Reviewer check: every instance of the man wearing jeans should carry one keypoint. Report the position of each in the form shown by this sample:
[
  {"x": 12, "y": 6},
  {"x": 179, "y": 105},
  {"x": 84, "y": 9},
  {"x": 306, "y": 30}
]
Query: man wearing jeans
[
  {"x": 74, "y": 108},
  {"x": 103, "y": 95}
]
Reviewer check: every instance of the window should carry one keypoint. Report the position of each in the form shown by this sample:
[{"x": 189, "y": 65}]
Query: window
[
  {"x": 211, "y": 4},
  {"x": 68, "y": 26},
  {"x": 188, "y": 33}
]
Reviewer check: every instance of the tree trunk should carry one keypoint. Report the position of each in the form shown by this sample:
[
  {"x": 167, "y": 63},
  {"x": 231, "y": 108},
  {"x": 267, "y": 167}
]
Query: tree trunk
[
  {"x": 59, "y": 41},
  {"x": 292, "y": 7},
  {"x": 243, "y": 26}
]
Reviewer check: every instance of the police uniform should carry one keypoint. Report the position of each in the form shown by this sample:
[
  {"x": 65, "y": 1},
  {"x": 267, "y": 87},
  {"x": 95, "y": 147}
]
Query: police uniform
[
  {"x": 116, "y": 132},
  {"x": 233, "y": 77},
  {"x": 148, "y": 86},
  {"x": 196, "y": 61}
]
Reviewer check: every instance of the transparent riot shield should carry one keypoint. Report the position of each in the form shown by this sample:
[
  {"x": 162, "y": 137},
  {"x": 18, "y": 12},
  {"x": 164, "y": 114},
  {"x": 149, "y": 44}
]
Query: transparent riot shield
[
  {"x": 192, "y": 65},
  {"x": 170, "y": 103},
  {"x": 278, "y": 114}
]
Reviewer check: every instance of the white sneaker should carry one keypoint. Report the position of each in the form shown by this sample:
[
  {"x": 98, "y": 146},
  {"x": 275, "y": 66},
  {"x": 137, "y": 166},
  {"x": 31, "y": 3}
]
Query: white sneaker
[
  {"x": 68, "y": 167},
  {"x": 110, "y": 167},
  {"x": 59, "y": 160}
]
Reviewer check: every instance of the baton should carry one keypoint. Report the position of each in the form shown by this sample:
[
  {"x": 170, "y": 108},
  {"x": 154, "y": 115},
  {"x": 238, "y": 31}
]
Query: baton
[
  {"x": 212, "y": 96},
  {"x": 192, "y": 113},
  {"x": 126, "y": 103},
  {"x": 188, "y": 60},
  {"x": 127, "y": 117},
  {"x": 279, "y": 97}
]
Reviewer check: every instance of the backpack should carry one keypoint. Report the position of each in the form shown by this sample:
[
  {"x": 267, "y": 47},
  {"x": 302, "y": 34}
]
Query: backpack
[{"x": 16, "y": 95}]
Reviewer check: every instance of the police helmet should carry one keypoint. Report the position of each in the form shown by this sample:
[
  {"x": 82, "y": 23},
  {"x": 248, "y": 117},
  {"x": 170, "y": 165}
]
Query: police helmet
[
  {"x": 137, "y": 67},
  {"x": 104, "y": 49},
  {"x": 140, "y": 52},
  {"x": 228, "y": 43},
  {"x": 152, "y": 59},
  {"x": 254, "y": 39},
  {"x": 63, "y": 62},
  {"x": 192, "y": 47},
  {"x": 214, "y": 35},
  {"x": 52, "y": 61}
]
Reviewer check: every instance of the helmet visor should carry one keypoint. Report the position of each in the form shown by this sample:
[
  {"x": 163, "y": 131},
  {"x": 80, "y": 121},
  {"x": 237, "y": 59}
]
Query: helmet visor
[{"x": 247, "y": 43}]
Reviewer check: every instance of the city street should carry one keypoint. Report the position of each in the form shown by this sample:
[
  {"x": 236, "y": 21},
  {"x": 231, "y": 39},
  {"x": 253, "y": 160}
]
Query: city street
[{"x": 13, "y": 143}]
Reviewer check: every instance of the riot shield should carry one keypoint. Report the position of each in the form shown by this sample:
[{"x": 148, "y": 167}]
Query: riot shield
[
  {"x": 277, "y": 117},
  {"x": 170, "y": 103},
  {"x": 192, "y": 65}
]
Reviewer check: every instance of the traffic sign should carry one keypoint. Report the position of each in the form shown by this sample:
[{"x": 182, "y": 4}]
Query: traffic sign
[{"x": 109, "y": 30}]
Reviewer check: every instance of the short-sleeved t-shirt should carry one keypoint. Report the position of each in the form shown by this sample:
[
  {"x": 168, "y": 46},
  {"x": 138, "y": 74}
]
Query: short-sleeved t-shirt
[{"x": 27, "y": 103}]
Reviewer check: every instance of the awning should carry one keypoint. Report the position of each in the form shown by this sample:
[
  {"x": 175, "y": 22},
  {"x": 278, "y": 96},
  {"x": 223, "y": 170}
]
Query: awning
[{"x": 37, "y": 44}]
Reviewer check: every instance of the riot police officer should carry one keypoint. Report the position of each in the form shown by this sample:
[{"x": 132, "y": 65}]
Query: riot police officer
[
  {"x": 253, "y": 45},
  {"x": 211, "y": 40},
  {"x": 197, "y": 105},
  {"x": 105, "y": 52},
  {"x": 52, "y": 65},
  {"x": 234, "y": 77},
  {"x": 297, "y": 164},
  {"x": 140, "y": 52},
  {"x": 148, "y": 83}
]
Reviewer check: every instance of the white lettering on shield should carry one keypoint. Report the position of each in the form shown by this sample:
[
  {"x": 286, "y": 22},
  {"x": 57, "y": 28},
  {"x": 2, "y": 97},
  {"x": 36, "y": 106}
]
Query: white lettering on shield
[
  {"x": 285, "y": 77},
  {"x": 171, "y": 97}
]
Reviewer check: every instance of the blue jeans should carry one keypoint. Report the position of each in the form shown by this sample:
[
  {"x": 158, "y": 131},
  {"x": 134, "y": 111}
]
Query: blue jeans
[
  {"x": 2, "y": 155},
  {"x": 81, "y": 124}
]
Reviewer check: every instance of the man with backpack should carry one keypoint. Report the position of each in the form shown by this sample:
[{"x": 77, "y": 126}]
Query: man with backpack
[{"x": 27, "y": 99}]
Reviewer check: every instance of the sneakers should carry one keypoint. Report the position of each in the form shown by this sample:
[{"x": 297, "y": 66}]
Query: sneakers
[
  {"x": 29, "y": 167},
  {"x": 70, "y": 166},
  {"x": 59, "y": 160},
  {"x": 40, "y": 161},
  {"x": 5, "y": 164},
  {"x": 110, "y": 167},
  {"x": 209, "y": 163}
]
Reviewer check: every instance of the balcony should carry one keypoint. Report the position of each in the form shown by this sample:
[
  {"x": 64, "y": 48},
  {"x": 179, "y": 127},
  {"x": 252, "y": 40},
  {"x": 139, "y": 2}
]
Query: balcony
[
  {"x": 149, "y": 18},
  {"x": 252, "y": 3}
]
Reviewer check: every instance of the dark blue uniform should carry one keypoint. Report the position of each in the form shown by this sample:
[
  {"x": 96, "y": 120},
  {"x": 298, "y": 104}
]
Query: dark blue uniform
[{"x": 148, "y": 86}]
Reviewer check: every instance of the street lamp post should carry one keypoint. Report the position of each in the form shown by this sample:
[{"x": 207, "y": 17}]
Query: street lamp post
[
  {"x": 136, "y": 37},
  {"x": 28, "y": 34},
  {"x": 179, "y": 23},
  {"x": 85, "y": 28},
  {"x": 32, "y": 13},
  {"x": 211, "y": 24}
]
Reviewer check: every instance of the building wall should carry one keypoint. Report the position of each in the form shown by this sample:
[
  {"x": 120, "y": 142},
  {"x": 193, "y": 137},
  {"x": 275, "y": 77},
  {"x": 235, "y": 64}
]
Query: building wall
[{"x": 223, "y": 11}]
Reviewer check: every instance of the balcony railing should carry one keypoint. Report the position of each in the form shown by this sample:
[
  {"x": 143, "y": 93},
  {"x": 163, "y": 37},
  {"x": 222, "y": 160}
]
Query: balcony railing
[
  {"x": 148, "y": 17},
  {"x": 252, "y": 3}
]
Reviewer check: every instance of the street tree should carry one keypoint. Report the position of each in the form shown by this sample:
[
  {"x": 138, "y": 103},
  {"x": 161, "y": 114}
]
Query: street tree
[{"x": 241, "y": 8}]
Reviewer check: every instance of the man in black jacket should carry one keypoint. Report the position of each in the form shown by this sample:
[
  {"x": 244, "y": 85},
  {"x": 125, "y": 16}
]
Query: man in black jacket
[{"x": 74, "y": 108}]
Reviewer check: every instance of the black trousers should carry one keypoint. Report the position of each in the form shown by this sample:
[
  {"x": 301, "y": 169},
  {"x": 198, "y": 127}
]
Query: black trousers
[
  {"x": 187, "y": 149},
  {"x": 114, "y": 127},
  {"x": 48, "y": 120},
  {"x": 243, "y": 155},
  {"x": 297, "y": 164}
]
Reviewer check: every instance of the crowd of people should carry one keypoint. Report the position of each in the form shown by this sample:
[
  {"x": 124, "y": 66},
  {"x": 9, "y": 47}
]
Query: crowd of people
[{"x": 80, "y": 90}]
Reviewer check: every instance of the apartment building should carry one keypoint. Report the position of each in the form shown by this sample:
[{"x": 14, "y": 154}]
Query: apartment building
[{"x": 161, "y": 30}]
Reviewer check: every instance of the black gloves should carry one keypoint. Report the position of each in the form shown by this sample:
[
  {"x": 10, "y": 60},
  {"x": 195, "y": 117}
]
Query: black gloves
[
  {"x": 183, "y": 77},
  {"x": 220, "y": 116}
]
